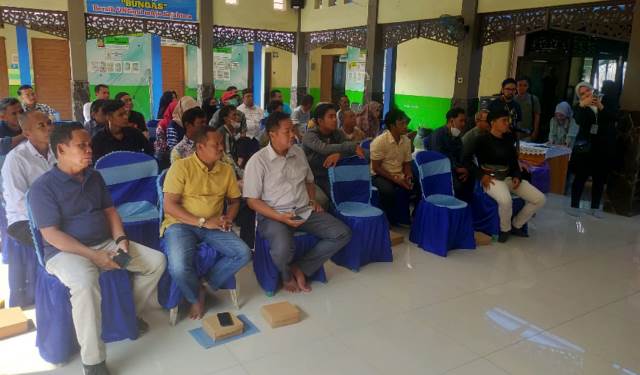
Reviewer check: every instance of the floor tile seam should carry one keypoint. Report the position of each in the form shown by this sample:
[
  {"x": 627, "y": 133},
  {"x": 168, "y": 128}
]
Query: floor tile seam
[
  {"x": 548, "y": 330},
  {"x": 223, "y": 369},
  {"x": 240, "y": 361}
]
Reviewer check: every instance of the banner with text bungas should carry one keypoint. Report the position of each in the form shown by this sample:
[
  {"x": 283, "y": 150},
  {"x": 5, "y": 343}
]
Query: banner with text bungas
[{"x": 175, "y": 10}]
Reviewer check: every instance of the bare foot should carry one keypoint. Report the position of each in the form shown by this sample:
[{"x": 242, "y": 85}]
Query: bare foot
[
  {"x": 301, "y": 279},
  {"x": 291, "y": 285},
  {"x": 197, "y": 309}
]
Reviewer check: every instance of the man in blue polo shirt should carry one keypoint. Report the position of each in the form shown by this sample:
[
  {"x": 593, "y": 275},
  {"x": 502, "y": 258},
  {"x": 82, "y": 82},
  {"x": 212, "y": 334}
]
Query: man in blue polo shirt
[{"x": 82, "y": 231}]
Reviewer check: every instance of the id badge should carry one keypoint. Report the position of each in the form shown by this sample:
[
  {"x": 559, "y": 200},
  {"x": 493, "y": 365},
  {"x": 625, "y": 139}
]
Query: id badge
[{"x": 594, "y": 129}]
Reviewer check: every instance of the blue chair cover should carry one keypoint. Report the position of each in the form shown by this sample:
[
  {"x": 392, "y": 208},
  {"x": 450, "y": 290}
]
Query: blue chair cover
[
  {"x": 267, "y": 273},
  {"x": 56, "y": 337},
  {"x": 131, "y": 180},
  {"x": 350, "y": 182},
  {"x": 366, "y": 144},
  {"x": 22, "y": 273},
  {"x": 169, "y": 295},
  {"x": 442, "y": 222},
  {"x": 3, "y": 233},
  {"x": 541, "y": 177},
  {"x": 485, "y": 215}
]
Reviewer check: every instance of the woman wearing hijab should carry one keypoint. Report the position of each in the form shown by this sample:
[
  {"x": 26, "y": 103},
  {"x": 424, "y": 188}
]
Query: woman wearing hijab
[
  {"x": 162, "y": 148},
  {"x": 210, "y": 106},
  {"x": 592, "y": 150},
  {"x": 175, "y": 131},
  {"x": 562, "y": 127},
  {"x": 368, "y": 119}
]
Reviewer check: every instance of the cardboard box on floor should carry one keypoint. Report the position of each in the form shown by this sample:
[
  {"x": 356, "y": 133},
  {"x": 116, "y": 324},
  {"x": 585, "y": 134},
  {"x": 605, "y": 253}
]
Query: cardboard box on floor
[
  {"x": 482, "y": 239},
  {"x": 212, "y": 327},
  {"x": 280, "y": 314},
  {"x": 12, "y": 322},
  {"x": 396, "y": 238}
]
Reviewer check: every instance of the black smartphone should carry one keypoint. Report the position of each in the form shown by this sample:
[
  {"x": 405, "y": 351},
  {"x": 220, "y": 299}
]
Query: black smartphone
[
  {"x": 225, "y": 319},
  {"x": 122, "y": 258},
  {"x": 297, "y": 218}
]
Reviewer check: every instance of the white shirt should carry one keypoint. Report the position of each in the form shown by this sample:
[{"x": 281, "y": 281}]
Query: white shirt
[
  {"x": 86, "y": 111},
  {"x": 279, "y": 181},
  {"x": 253, "y": 116},
  {"x": 21, "y": 168}
]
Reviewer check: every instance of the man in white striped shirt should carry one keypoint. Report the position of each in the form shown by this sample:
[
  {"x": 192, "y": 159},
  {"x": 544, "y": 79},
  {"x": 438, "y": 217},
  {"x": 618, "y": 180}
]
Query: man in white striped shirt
[{"x": 23, "y": 165}]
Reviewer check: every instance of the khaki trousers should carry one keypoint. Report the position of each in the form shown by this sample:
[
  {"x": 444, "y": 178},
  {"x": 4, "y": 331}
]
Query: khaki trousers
[
  {"x": 501, "y": 191},
  {"x": 80, "y": 275}
]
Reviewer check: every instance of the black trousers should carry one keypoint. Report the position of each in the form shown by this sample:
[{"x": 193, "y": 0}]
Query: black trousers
[
  {"x": 21, "y": 232},
  {"x": 585, "y": 166}
]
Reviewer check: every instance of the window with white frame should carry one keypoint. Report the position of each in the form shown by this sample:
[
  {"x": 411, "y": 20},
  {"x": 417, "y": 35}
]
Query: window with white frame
[{"x": 279, "y": 4}]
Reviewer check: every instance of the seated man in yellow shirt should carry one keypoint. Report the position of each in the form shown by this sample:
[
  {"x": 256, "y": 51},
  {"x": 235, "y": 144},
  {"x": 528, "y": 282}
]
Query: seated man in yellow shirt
[
  {"x": 194, "y": 194},
  {"x": 391, "y": 160}
]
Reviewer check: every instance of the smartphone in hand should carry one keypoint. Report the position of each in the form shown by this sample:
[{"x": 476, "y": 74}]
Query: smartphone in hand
[{"x": 122, "y": 258}]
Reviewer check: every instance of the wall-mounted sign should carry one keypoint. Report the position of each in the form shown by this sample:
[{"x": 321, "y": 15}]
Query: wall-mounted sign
[
  {"x": 231, "y": 66},
  {"x": 176, "y": 10}
]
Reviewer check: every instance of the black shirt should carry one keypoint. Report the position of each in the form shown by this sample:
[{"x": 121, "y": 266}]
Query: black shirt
[
  {"x": 133, "y": 140},
  {"x": 137, "y": 119},
  {"x": 491, "y": 150},
  {"x": 512, "y": 107}
]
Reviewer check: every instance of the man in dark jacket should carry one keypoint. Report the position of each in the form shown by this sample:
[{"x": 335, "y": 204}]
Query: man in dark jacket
[{"x": 324, "y": 145}]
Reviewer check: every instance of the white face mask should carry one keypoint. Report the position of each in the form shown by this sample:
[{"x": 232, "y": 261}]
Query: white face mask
[{"x": 455, "y": 132}]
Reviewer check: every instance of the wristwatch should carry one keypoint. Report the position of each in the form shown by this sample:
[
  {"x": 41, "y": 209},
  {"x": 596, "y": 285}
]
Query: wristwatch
[{"x": 201, "y": 222}]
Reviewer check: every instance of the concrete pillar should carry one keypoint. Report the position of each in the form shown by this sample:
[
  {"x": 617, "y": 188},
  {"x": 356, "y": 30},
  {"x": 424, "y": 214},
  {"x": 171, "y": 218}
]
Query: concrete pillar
[
  {"x": 24, "y": 64},
  {"x": 205, "y": 74},
  {"x": 467, "y": 79},
  {"x": 156, "y": 73},
  {"x": 630, "y": 99},
  {"x": 300, "y": 65},
  {"x": 374, "y": 67},
  {"x": 390, "y": 57},
  {"x": 258, "y": 67},
  {"x": 78, "y": 51}
]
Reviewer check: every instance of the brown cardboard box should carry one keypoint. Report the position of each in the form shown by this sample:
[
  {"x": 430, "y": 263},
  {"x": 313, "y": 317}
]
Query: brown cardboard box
[
  {"x": 482, "y": 239},
  {"x": 212, "y": 327},
  {"x": 396, "y": 238},
  {"x": 12, "y": 322},
  {"x": 280, "y": 314}
]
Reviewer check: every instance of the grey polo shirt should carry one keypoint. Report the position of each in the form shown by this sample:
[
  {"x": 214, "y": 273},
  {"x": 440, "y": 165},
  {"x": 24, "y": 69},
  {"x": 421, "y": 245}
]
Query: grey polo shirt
[
  {"x": 75, "y": 207},
  {"x": 279, "y": 181}
]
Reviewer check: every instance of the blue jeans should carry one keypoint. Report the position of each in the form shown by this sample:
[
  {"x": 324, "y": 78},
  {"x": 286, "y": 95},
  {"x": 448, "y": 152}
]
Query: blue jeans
[{"x": 182, "y": 242}]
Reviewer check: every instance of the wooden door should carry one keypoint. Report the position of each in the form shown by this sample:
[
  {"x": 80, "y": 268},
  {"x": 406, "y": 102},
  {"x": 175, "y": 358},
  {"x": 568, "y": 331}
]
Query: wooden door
[
  {"x": 51, "y": 68},
  {"x": 326, "y": 78},
  {"x": 4, "y": 72},
  {"x": 173, "y": 69}
]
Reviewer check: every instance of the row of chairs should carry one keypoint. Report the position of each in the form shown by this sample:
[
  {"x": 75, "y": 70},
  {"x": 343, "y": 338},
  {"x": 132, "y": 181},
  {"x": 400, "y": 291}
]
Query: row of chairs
[{"x": 441, "y": 223}]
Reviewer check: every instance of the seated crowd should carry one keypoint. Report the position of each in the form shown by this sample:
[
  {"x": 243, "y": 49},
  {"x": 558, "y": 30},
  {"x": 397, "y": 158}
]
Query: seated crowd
[{"x": 233, "y": 164}]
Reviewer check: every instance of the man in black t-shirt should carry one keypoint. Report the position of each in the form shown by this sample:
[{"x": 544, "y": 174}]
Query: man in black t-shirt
[
  {"x": 506, "y": 102},
  {"x": 118, "y": 135}
]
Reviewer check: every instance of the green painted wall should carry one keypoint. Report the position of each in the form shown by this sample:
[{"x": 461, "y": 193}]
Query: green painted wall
[
  {"x": 315, "y": 92},
  {"x": 424, "y": 111},
  {"x": 13, "y": 90},
  {"x": 140, "y": 95},
  {"x": 192, "y": 92},
  {"x": 355, "y": 96}
]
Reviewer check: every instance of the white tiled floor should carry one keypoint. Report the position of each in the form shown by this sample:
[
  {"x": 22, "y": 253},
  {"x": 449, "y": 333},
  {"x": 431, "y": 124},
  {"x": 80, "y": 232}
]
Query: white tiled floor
[{"x": 565, "y": 301}]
